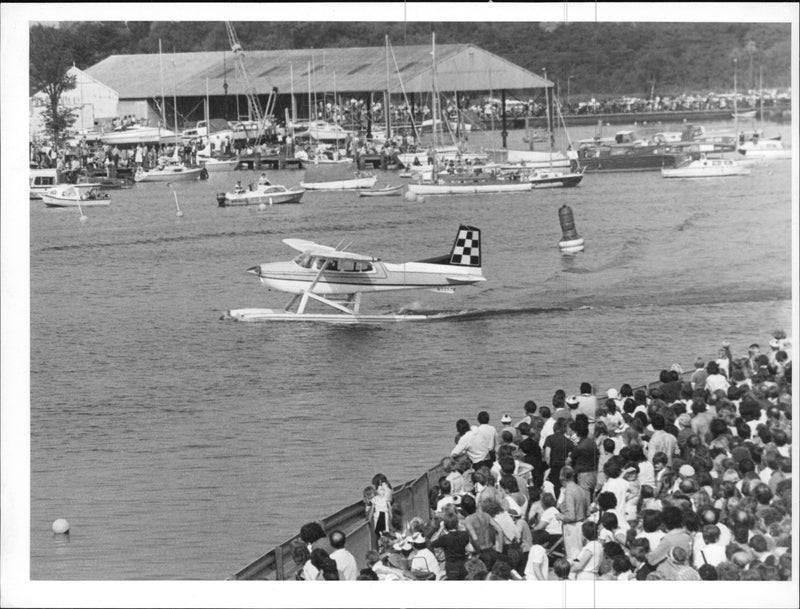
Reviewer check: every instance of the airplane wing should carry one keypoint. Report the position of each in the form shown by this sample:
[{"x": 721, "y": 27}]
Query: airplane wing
[
  {"x": 325, "y": 251},
  {"x": 301, "y": 245}
]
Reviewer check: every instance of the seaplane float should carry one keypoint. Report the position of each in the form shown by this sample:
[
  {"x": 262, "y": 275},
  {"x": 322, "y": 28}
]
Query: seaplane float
[{"x": 337, "y": 279}]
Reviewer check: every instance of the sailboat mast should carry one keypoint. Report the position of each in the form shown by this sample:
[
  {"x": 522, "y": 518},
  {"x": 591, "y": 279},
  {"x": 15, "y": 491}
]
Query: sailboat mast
[
  {"x": 163, "y": 100},
  {"x": 735, "y": 110},
  {"x": 386, "y": 110},
  {"x": 547, "y": 117},
  {"x": 291, "y": 89},
  {"x": 433, "y": 92},
  {"x": 309, "y": 95}
]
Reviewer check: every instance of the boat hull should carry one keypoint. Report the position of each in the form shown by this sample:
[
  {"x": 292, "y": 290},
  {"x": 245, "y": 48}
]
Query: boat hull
[
  {"x": 463, "y": 189},
  {"x": 251, "y": 198},
  {"x": 382, "y": 192},
  {"x": 567, "y": 180},
  {"x": 175, "y": 175},
  {"x": 341, "y": 184},
  {"x": 214, "y": 165},
  {"x": 56, "y": 202}
]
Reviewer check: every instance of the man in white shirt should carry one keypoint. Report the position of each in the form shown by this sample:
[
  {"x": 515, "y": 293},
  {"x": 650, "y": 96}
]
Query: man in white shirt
[
  {"x": 478, "y": 442},
  {"x": 345, "y": 561}
]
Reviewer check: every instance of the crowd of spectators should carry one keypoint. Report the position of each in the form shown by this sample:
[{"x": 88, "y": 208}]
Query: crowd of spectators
[{"x": 689, "y": 479}]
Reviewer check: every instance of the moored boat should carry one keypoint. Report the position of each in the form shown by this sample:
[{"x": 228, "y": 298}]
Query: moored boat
[
  {"x": 74, "y": 195},
  {"x": 626, "y": 158},
  {"x": 346, "y": 184},
  {"x": 705, "y": 168},
  {"x": 170, "y": 172},
  {"x": 217, "y": 164},
  {"x": 544, "y": 178},
  {"x": 765, "y": 150},
  {"x": 386, "y": 191},
  {"x": 469, "y": 184}
]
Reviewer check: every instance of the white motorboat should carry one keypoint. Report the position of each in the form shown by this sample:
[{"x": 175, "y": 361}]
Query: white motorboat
[
  {"x": 170, "y": 172},
  {"x": 348, "y": 184},
  {"x": 75, "y": 195},
  {"x": 265, "y": 193},
  {"x": 705, "y": 168},
  {"x": 766, "y": 150},
  {"x": 43, "y": 180}
]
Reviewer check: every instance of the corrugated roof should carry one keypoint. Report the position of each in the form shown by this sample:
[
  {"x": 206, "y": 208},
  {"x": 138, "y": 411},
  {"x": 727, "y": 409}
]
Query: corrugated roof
[{"x": 462, "y": 67}]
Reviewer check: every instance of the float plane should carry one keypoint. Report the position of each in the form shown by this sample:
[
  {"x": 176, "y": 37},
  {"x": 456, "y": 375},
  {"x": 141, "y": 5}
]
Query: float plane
[{"x": 337, "y": 278}]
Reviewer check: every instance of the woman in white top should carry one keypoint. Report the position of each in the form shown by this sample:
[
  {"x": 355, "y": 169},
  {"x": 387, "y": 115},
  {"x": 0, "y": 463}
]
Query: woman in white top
[
  {"x": 538, "y": 563},
  {"x": 587, "y": 564}
]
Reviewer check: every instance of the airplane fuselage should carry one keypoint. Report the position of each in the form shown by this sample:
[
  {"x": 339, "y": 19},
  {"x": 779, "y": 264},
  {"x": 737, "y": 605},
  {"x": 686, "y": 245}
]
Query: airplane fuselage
[{"x": 373, "y": 276}]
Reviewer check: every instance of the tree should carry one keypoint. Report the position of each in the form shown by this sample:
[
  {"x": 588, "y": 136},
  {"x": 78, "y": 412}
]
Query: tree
[{"x": 50, "y": 59}]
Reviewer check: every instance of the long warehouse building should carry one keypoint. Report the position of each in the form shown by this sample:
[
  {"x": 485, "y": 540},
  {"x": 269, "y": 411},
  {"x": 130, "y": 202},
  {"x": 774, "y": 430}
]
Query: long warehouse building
[{"x": 290, "y": 80}]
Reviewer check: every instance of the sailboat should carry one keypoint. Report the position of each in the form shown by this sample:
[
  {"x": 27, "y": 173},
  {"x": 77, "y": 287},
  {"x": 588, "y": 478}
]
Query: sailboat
[
  {"x": 423, "y": 161},
  {"x": 168, "y": 169},
  {"x": 204, "y": 156},
  {"x": 704, "y": 167},
  {"x": 447, "y": 178},
  {"x": 757, "y": 147},
  {"x": 554, "y": 177}
]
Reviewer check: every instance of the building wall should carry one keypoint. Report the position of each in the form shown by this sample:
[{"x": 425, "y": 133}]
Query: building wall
[{"x": 90, "y": 100}]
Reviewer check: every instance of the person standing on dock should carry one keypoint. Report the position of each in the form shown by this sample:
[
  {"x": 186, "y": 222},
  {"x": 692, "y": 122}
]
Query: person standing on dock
[{"x": 345, "y": 561}]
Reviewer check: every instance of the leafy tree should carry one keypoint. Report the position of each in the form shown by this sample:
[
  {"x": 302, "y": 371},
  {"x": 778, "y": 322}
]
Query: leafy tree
[{"x": 50, "y": 59}]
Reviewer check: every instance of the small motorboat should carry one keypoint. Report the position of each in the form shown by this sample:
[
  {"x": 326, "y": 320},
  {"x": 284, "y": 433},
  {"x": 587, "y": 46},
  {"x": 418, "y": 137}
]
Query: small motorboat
[
  {"x": 265, "y": 193},
  {"x": 350, "y": 184},
  {"x": 386, "y": 191},
  {"x": 168, "y": 172},
  {"x": 706, "y": 168},
  {"x": 76, "y": 195}
]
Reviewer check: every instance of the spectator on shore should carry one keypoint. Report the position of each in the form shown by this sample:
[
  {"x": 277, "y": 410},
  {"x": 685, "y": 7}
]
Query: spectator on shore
[{"x": 345, "y": 561}]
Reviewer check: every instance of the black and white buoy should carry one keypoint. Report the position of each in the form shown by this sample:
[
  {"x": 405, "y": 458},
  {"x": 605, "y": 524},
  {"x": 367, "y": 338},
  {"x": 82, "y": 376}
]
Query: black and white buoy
[{"x": 571, "y": 242}]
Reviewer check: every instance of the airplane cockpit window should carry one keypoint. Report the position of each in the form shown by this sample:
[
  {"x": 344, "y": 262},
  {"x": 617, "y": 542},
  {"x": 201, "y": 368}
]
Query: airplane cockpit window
[
  {"x": 303, "y": 260},
  {"x": 348, "y": 266},
  {"x": 363, "y": 267}
]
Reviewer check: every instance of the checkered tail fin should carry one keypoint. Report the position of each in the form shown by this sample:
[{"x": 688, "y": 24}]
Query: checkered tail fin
[{"x": 467, "y": 247}]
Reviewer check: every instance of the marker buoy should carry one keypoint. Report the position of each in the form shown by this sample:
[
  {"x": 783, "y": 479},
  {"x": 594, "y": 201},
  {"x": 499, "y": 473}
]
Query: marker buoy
[
  {"x": 262, "y": 207},
  {"x": 571, "y": 241},
  {"x": 410, "y": 196},
  {"x": 60, "y": 527}
]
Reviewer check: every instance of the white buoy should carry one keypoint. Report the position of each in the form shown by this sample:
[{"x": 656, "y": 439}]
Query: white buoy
[
  {"x": 262, "y": 206},
  {"x": 83, "y": 217},
  {"x": 410, "y": 196},
  {"x": 178, "y": 213},
  {"x": 60, "y": 527}
]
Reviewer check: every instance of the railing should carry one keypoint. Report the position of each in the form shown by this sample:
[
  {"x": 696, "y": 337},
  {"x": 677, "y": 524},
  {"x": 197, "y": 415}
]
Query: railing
[{"x": 409, "y": 499}]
